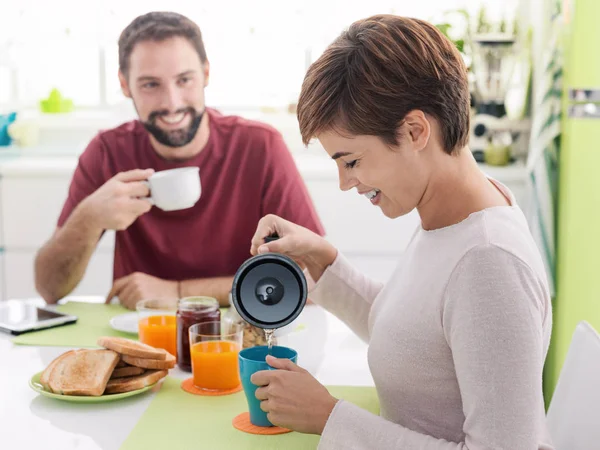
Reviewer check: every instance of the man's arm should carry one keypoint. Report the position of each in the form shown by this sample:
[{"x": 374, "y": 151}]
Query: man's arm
[
  {"x": 138, "y": 286},
  {"x": 218, "y": 287},
  {"x": 61, "y": 262}
]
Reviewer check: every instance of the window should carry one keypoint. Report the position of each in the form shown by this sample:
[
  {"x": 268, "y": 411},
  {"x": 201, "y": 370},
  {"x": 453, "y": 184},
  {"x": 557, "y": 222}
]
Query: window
[{"x": 259, "y": 50}]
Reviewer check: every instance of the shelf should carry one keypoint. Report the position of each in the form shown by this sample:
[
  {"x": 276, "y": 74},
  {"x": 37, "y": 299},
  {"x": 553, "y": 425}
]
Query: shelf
[{"x": 516, "y": 171}]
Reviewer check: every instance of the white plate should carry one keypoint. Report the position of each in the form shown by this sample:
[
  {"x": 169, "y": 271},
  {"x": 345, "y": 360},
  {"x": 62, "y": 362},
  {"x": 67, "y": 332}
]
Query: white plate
[{"x": 127, "y": 322}]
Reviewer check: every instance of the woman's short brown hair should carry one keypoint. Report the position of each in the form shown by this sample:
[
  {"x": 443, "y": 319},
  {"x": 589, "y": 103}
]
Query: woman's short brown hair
[{"x": 377, "y": 71}]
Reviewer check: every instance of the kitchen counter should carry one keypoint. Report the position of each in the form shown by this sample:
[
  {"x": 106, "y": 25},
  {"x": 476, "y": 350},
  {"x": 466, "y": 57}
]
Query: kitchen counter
[
  {"x": 64, "y": 136},
  {"x": 311, "y": 164}
]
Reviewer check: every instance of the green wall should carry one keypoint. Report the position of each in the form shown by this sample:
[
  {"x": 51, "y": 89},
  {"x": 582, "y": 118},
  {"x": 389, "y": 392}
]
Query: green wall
[{"x": 578, "y": 232}]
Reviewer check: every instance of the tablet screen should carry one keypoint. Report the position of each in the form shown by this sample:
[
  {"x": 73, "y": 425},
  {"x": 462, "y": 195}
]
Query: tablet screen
[{"x": 21, "y": 316}]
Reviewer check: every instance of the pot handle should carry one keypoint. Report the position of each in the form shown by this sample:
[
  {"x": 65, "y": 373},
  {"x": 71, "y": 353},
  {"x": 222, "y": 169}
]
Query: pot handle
[{"x": 271, "y": 238}]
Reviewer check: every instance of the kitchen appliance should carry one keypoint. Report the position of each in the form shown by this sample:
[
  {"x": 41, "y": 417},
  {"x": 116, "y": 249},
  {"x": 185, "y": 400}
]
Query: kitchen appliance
[
  {"x": 494, "y": 58},
  {"x": 269, "y": 290}
]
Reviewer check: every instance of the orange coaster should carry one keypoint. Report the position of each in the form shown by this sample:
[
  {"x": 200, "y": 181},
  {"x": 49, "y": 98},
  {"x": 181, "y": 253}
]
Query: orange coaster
[
  {"x": 188, "y": 386},
  {"x": 242, "y": 423}
]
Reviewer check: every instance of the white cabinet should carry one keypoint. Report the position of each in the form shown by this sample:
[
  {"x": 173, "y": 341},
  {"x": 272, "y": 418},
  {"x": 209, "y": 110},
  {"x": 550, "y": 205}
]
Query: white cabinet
[
  {"x": 32, "y": 193},
  {"x": 355, "y": 226},
  {"x": 370, "y": 240},
  {"x": 20, "y": 282},
  {"x": 30, "y": 209},
  {"x": 367, "y": 238},
  {"x": 31, "y": 206}
]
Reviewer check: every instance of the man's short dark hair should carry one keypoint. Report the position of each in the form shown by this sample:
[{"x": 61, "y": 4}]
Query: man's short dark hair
[{"x": 158, "y": 26}]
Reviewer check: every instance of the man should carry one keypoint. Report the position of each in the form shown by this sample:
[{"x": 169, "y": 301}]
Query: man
[{"x": 245, "y": 168}]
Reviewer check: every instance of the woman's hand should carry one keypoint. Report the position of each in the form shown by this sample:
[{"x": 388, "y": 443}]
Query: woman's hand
[
  {"x": 299, "y": 243},
  {"x": 292, "y": 398}
]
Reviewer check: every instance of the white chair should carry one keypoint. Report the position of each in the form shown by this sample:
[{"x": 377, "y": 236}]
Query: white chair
[{"x": 573, "y": 416}]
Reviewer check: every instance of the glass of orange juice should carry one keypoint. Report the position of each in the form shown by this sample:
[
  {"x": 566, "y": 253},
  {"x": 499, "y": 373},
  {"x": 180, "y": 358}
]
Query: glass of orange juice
[
  {"x": 157, "y": 325},
  {"x": 214, "y": 348}
]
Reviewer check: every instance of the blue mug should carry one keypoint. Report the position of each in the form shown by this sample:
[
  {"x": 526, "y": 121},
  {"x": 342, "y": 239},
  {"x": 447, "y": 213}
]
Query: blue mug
[{"x": 252, "y": 360}]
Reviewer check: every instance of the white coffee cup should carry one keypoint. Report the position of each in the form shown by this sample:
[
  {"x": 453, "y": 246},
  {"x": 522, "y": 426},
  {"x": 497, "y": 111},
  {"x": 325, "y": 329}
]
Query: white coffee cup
[{"x": 175, "y": 189}]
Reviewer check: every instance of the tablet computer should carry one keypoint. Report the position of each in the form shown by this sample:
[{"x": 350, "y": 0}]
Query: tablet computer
[{"x": 17, "y": 317}]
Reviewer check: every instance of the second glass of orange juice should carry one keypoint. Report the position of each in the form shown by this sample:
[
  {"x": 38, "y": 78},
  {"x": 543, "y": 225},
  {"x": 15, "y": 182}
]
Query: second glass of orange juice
[
  {"x": 156, "y": 324},
  {"x": 214, "y": 349}
]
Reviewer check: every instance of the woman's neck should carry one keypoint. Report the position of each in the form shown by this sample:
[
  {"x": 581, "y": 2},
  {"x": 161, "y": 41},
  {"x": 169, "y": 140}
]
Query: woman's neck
[{"x": 457, "y": 189}]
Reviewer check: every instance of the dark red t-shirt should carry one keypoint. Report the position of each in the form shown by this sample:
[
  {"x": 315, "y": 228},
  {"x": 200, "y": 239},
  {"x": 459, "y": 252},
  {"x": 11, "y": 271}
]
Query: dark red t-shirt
[{"x": 246, "y": 172}]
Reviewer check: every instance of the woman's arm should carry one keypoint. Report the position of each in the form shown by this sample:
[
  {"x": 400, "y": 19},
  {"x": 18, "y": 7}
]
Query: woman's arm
[
  {"x": 348, "y": 294},
  {"x": 497, "y": 321}
]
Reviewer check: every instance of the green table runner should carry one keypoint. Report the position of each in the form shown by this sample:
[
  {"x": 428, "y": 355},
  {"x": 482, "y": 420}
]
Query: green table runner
[
  {"x": 93, "y": 322},
  {"x": 182, "y": 421}
]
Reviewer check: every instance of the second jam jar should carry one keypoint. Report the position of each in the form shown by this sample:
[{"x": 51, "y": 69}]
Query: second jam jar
[{"x": 190, "y": 311}]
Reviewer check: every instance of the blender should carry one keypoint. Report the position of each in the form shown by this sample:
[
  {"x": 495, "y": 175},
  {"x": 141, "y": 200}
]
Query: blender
[{"x": 493, "y": 65}]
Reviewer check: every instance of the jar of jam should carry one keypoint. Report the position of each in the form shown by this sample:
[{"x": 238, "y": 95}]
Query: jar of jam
[{"x": 190, "y": 311}]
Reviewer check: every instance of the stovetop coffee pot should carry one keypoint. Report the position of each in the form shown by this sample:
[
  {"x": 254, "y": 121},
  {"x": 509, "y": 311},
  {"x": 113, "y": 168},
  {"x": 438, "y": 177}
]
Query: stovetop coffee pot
[{"x": 269, "y": 291}]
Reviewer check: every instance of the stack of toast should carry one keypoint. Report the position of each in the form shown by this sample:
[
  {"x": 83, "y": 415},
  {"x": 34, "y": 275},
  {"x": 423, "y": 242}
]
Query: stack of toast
[{"x": 123, "y": 365}]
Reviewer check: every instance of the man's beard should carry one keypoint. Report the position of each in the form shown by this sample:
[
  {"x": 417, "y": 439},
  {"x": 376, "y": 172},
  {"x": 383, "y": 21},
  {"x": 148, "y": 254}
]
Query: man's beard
[{"x": 174, "y": 138}]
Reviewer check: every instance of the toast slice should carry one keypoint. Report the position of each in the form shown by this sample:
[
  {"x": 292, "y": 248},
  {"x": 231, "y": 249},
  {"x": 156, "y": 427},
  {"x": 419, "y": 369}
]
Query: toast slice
[
  {"x": 45, "y": 378},
  {"x": 128, "y": 371},
  {"x": 83, "y": 372},
  {"x": 119, "y": 385},
  {"x": 130, "y": 347},
  {"x": 147, "y": 363}
]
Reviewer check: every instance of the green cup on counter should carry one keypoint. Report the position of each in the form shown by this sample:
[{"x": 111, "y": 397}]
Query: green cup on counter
[{"x": 497, "y": 155}]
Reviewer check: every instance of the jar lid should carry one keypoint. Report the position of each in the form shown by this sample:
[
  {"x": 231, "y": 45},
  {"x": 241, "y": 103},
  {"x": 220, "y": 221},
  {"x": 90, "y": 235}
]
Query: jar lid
[
  {"x": 198, "y": 303},
  {"x": 269, "y": 290}
]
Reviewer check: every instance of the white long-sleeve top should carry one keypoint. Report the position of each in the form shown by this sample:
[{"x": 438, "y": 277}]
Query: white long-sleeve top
[{"x": 457, "y": 340}]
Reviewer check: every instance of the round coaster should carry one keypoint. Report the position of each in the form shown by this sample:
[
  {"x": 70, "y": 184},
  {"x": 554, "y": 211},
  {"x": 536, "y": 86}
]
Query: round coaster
[
  {"x": 188, "y": 386},
  {"x": 242, "y": 423}
]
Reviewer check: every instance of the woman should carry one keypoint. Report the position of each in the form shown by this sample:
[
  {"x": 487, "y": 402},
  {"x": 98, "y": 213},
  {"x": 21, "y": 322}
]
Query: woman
[{"x": 458, "y": 336}]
